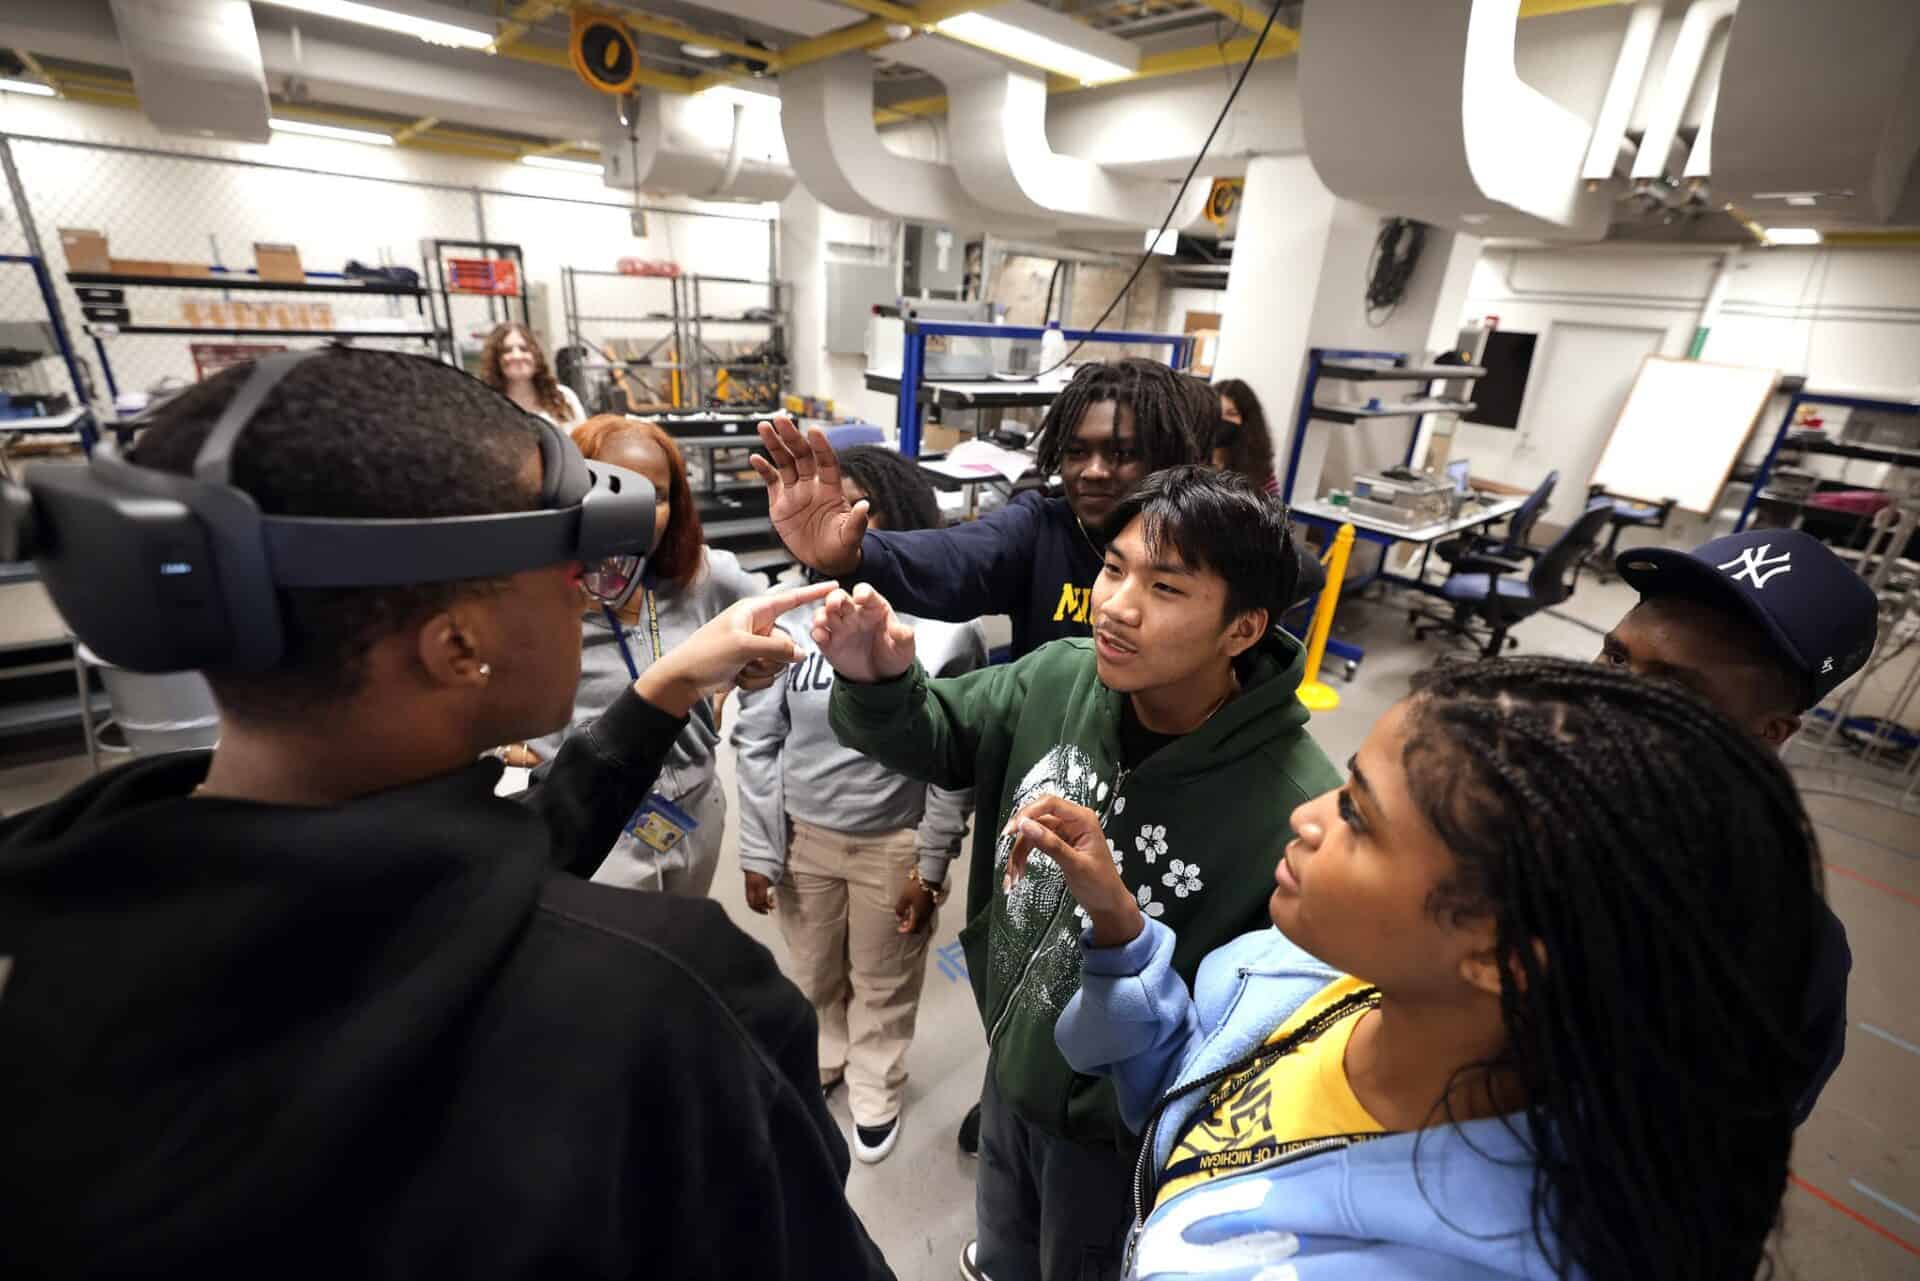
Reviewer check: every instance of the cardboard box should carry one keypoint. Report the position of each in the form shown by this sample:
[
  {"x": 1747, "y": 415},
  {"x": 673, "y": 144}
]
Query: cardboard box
[
  {"x": 192, "y": 271},
  {"x": 86, "y": 250},
  {"x": 319, "y": 315},
  {"x": 279, "y": 262},
  {"x": 938, "y": 438},
  {"x": 139, "y": 267}
]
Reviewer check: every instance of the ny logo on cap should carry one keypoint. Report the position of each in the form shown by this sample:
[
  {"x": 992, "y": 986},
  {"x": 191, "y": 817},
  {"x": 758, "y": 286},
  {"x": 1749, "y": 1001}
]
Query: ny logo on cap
[
  {"x": 1827, "y": 666},
  {"x": 1757, "y": 567}
]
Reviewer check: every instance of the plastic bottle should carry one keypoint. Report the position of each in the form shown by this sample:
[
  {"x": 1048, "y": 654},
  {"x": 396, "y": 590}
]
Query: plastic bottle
[{"x": 1053, "y": 347}]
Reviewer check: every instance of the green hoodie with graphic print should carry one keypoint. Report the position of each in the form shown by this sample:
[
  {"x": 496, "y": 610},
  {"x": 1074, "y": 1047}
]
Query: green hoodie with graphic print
[{"x": 1196, "y": 830}]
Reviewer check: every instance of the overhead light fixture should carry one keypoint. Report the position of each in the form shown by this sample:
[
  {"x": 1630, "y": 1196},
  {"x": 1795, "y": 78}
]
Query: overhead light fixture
[
  {"x": 371, "y": 137},
  {"x": 33, "y": 87},
  {"x": 1792, "y": 235},
  {"x": 565, "y": 166},
  {"x": 700, "y": 51},
  {"x": 431, "y": 30},
  {"x": 1043, "y": 38},
  {"x": 739, "y": 97},
  {"x": 1163, "y": 242}
]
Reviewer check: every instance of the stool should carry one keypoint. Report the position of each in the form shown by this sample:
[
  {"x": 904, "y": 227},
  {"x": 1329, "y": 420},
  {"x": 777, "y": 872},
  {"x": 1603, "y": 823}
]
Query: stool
[{"x": 1625, "y": 514}]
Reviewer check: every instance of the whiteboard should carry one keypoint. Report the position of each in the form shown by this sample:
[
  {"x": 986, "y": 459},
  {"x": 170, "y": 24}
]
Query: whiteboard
[{"x": 1682, "y": 430}]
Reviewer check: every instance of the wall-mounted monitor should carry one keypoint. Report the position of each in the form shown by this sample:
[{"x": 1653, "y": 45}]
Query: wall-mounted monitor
[{"x": 1508, "y": 359}]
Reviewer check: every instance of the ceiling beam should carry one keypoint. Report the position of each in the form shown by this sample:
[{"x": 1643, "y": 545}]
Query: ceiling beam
[
  {"x": 404, "y": 136},
  {"x": 647, "y": 24},
  {"x": 520, "y": 21},
  {"x": 1251, "y": 18},
  {"x": 1546, "y": 8},
  {"x": 557, "y": 58}
]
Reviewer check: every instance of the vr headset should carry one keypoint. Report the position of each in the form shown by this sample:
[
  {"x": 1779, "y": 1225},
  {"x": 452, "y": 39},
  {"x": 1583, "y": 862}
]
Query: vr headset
[{"x": 159, "y": 572}]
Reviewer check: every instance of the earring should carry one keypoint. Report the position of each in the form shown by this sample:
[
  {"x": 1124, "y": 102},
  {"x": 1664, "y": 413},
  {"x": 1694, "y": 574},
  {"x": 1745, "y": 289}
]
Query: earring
[{"x": 486, "y": 670}]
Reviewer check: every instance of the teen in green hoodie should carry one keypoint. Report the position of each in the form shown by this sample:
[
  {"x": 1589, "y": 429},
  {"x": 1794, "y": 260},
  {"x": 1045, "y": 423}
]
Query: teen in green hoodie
[{"x": 1178, "y": 724}]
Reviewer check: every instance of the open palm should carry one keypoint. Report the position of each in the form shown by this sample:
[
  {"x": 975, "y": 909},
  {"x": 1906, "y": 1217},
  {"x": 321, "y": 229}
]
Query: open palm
[{"x": 804, "y": 500}]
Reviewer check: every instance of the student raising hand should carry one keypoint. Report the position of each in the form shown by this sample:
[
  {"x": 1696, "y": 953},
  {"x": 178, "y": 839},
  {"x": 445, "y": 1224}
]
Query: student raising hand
[
  {"x": 1070, "y": 835},
  {"x": 808, "y": 508},
  {"x": 862, "y": 637}
]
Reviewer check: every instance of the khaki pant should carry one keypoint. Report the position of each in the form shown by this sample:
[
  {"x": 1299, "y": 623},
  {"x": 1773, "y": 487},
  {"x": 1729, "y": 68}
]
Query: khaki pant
[{"x": 862, "y": 976}]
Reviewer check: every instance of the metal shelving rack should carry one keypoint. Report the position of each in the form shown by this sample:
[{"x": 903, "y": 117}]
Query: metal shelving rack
[
  {"x": 1345, "y": 365},
  {"x": 440, "y": 286},
  {"x": 1830, "y": 448},
  {"x": 694, "y": 364},
  {"x": 230, "y": 280},
  {"x": 704, "y": 361},
  {"x": 577, "y": 319},
  {"x": 733, "y": 513}
]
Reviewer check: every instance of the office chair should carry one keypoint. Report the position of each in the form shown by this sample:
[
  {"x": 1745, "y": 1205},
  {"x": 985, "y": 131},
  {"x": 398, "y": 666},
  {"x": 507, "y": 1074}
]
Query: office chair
[
  {"x": 1626, "y": 513},
  {"x": 1498, "y": 596},
  {"x": 1462, "y": 552}
]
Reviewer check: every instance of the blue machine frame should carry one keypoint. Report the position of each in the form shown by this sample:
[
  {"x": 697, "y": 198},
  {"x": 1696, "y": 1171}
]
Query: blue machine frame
[
  {"x": 1834, "y": 448},
  {"x": 913, "y": 359},
  {"x": 52, "y": 302}
]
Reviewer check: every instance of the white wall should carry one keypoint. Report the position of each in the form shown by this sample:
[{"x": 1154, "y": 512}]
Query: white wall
[
  {"x": 178, "y": 207},
  {"x": 1847, "y": 319},
  {"x": 811, "y": 235}
]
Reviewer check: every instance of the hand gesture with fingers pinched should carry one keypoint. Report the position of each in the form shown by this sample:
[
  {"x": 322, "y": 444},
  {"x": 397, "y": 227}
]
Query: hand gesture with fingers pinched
[
  {"x": 804, "y": 500},
  {"x": 861, "y": 636},
  {"x": 1070, "y": 835}
]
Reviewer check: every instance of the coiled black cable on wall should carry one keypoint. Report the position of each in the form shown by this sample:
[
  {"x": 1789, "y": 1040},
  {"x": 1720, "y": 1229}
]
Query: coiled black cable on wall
[{"x": 1396, "y": 252}]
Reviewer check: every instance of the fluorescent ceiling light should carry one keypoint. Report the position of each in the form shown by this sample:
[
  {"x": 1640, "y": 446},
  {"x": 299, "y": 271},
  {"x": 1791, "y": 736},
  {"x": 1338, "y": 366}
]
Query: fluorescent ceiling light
[
  {"x": 368, "y": 136},
  {"x": 565, "y": 166},
  {"x": 700, "y": 51},
  {"x": 1792, "y": 236},
  {"x": 33, "y": 87},
  {"x": 1163, "y": 242},
  {"x": 738, "y": 96},
  {"x": 1042, "y": 38},
  {"x": 430, "y": 30}
]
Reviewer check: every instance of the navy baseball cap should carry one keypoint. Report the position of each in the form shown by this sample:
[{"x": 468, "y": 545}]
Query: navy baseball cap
[{"x": 1821, "y": 614}]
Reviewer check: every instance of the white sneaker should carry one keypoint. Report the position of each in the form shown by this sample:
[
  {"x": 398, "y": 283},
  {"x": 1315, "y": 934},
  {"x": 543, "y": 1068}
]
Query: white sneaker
[{"x": 871, "y": 1143}]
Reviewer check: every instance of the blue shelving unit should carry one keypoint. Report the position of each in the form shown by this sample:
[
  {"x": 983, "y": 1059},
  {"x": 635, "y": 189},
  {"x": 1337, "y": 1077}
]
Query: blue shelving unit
[{"x": 1832, "y": 448}]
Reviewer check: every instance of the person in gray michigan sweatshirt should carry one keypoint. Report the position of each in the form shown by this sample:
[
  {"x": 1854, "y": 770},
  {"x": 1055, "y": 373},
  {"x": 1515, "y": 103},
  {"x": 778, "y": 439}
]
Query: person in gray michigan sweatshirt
[{"x": 859, "y": 853}]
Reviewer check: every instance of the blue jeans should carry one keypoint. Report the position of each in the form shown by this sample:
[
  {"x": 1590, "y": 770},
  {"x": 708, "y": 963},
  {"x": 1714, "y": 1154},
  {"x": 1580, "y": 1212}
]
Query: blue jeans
[{"x": 1049, "y": 1209}]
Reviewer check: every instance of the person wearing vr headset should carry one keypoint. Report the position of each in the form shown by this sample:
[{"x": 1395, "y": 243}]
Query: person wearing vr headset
[
  {"x": 319, "y": 1003},
  {"x": 1762, "y": 624}
]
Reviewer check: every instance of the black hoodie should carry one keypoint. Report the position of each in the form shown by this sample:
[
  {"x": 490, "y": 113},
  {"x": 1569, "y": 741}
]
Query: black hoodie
[{"x": 390, "y": 1039}]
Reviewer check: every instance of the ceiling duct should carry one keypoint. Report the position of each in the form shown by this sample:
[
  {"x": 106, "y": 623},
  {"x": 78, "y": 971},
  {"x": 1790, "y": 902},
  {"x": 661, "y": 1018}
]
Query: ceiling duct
[
  {"x": 827, "y": 116},
  {"x": 998, "y": 131},
  {"x": 1818, "y": 119},
  {"x": 196, "y": 66},
  {"x": 1462, "y": 141},
  {"x": 709, "y": 148}
]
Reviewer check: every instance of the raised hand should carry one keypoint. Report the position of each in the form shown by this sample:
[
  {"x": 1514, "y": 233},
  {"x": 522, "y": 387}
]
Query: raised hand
[
  {"x": 1070, "y": 835},
  {"x": 804, "y": 500},
  {"x": 712, "y": 658},
  {"x": 861, "y": 636}
]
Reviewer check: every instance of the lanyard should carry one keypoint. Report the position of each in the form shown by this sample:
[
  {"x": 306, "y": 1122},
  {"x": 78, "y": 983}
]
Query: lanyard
[{"x": 620, "y": 634}]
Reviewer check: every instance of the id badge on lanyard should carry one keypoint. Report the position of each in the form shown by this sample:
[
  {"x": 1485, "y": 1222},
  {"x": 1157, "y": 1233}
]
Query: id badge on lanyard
[{"x": 658, "y": 824}]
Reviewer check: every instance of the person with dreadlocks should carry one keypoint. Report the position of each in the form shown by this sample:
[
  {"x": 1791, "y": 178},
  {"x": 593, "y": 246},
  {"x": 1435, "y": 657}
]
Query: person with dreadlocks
[
  {"x": 1179, "y": 720},
  {"x": 859, "y": 852},
  {"x": 1762, "y": 624},
  {"x": 1035, "y": 559},
  {"x": 1527, "y": 1006}
]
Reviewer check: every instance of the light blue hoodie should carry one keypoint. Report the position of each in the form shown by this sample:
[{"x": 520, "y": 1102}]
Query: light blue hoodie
[{"x": 1336, "y": 1214}]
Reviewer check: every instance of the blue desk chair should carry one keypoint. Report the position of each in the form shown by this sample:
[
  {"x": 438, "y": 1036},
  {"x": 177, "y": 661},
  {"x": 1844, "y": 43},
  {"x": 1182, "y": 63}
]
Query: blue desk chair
[
  {"x": 1462, "y": 553},
  {"x": 1627, "y": 514},
  {"x": 1503, "y": 593}
]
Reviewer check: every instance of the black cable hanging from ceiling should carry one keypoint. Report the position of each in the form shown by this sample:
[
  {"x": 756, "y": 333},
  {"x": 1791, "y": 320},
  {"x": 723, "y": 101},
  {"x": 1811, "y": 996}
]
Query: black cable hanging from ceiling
[{"x": 1396, "y": 252}]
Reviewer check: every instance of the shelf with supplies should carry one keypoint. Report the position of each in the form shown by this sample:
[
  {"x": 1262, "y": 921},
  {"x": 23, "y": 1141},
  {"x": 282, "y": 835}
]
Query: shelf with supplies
[
  {"x": 1399, "y": 409},
  {"x": 689, "y": 368},
  {"x": 109, "y": 331},
  {"x": 1897, "y": 416},
  {"x": 315, "y": 283},
  {"x": 1350, "y": 371},
  {"x": 1345, "y": 365}
]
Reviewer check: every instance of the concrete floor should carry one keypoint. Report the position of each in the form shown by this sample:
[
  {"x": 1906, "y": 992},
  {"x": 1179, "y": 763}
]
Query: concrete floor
[{"x": 1854, "y": 1208}]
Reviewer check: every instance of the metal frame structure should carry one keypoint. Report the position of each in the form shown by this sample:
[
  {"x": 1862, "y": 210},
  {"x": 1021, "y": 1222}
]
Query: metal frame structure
[
  {"x": 695, "y": 353},
  {"x": 436, "y": 256},
  {"x": 570, "y": 307},
  {"x": 913, "y": 359},
  {"x": 1334, "y": 363},
  {"x": 1829, "y": 448},
  {"x": 44, "y": 279}
]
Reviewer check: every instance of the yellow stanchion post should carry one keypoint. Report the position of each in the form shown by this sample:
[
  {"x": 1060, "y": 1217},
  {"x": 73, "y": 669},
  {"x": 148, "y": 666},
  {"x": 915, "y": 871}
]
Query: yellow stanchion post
[{"x": 1314, "y": 692}]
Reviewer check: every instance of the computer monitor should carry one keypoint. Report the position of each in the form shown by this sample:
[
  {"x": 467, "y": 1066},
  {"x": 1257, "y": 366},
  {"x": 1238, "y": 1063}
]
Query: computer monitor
[{"x": 1457, "y": 472}]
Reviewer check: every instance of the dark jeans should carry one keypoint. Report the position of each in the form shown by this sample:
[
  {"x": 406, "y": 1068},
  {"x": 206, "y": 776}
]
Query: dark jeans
[{"x": 1049, "y": 1209}]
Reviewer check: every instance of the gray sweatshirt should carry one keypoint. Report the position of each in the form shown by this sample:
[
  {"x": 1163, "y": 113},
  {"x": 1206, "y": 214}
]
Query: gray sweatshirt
[
  {"x": 790, "y": 764},
  {"x": 603, "y": 673}
]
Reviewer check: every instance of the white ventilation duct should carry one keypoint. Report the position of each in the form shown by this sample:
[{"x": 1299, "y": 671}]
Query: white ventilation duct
[
  {"x": 1836, "y": 153},
  {"x": 827, "y": 116},
  {"x": 711, "y": 148},
  {"x": 998, "y": 130},
  {"x": 196, "y": 66},
  {"x": 1623, "y": 90},
  {"x": 1676, "y": 88},
  {"x": 1462, "y": 141}
]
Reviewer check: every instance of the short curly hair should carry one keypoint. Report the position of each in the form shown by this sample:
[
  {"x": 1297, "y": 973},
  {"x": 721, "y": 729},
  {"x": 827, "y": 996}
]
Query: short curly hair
[{"x": 353, "y": 433}]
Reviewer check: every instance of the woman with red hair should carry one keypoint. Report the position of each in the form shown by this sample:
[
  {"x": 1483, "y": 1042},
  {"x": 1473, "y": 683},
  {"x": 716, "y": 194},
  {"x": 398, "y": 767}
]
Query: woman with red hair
[{"x": 671, "y": 843}]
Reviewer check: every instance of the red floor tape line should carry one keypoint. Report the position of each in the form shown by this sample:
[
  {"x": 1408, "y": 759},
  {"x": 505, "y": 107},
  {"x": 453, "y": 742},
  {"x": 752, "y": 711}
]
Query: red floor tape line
[{"x": 1853, "y": 1214}]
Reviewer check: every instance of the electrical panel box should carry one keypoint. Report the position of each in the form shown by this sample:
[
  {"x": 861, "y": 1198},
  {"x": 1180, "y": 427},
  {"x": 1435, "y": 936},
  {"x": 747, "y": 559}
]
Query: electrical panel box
[
  {"x": 854, "y": 289},
  {"x": 935, "y": 262}
]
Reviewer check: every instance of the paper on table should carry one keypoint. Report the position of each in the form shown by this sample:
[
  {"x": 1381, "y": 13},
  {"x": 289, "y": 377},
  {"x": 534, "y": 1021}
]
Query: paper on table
[
  {"x": 984, "y": 457},
  {"x": 512, "y": 779}
]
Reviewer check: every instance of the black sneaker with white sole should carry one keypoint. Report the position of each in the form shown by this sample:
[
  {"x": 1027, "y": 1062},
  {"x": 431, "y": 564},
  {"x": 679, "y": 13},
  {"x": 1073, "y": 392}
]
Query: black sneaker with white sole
[
  {"x": 871, "y": 1143},
  {"x": 970, "y": 1132}
]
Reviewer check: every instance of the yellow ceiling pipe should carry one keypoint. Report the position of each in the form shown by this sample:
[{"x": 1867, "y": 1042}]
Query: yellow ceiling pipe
[
  {"x": 885, "y": 9},
  {"x": 520, "y": 22},
  {"x": 414, "y": 130},
  {"x": 1547, "y": 8}
]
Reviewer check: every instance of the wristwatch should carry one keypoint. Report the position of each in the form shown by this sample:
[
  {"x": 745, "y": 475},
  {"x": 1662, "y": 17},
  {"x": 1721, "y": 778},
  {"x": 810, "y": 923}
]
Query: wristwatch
[{"x": 938, "y": 889}]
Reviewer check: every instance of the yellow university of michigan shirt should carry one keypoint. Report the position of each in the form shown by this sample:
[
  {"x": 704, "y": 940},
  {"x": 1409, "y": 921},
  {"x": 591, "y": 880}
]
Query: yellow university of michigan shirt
[{"x": 1264, "y": 1111}]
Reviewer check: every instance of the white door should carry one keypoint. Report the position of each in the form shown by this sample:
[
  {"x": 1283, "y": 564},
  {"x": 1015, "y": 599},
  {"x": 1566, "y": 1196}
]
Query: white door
[{"x": 1574, "y": 395}]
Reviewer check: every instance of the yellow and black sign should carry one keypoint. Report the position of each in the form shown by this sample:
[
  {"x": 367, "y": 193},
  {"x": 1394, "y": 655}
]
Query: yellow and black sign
[
  {"x": 1223, "y": 199},
  {"x": 603, "y": 53}
]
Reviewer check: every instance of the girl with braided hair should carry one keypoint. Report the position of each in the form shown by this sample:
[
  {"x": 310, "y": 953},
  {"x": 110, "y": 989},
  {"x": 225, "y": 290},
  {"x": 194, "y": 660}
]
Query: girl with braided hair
[{"x": 1530, "y": 1007}]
